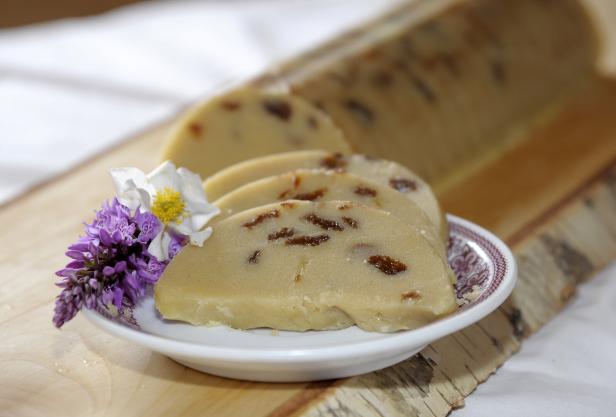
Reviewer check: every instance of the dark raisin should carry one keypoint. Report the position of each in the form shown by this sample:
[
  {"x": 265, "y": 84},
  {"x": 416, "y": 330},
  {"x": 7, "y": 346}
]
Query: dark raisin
[
  {"x": 312, "y": 122},
  {"x": 231, "y": 105},
  {"x": 297, "y": 180},
  {"x": 387, "y": 265},
  {"x": 450, "y": 62},
  {"x": 411, "y": 295},
  {"x": 353, "y": 223},
  {"x": 497, "y": 68},
  {"x": 373, "y": 54},
  {"x": 278, "y": 108},
  {"x": 382, "y": 79},
  {"x": 195, "y": 129},
  {"x": 298, "y": 278},
  {"x": 311, "y": 196},
  {"x": 307, "y": 240},
  {"x": 283, "y": 195},
  {"x": 429, "y": 62},
  {"x": 323, "y": 223},
  {"x": 284, "y": 232},
  {"x": 362, "y": 112},
  {"x": 365, "y": 191},
  {"x": 403, "y": 184},
  {"x": 254, "y": 258},
  {"x": 261, "y": 217},
  {"x": 424, "y": 89},
  {"x": 334, "y": 161}
]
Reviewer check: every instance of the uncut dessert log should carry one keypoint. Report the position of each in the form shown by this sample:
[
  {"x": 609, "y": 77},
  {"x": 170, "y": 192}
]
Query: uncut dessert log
[
  {"x": 432, "y": 92},
  {"x": 434, "y": 85}
]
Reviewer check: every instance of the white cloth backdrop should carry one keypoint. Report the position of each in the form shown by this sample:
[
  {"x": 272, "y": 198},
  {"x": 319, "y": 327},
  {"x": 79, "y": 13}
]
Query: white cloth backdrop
[{"x": 71, "y": 88}]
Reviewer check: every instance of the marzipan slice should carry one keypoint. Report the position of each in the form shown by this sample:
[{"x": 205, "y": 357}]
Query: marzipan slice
[
  {"x": 247, "y": 123},
  {"x": 300, "y": 265},
  {"x": 326, "y": 185},
  {"x": 378, "y": 170}
]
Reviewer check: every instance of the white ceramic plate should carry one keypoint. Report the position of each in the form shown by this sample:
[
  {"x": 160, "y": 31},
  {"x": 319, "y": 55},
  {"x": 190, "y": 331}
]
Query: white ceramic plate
[{"x": 484, "y": 267}]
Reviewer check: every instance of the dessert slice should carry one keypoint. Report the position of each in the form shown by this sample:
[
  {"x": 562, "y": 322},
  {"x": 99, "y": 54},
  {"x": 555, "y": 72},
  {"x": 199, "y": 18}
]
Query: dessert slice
[
  {"x": 322, "y": 185},
  {"x": 246, "y": 123},
  {"x": 377, "y": 170},
  {"x": 300, "y": 265}
]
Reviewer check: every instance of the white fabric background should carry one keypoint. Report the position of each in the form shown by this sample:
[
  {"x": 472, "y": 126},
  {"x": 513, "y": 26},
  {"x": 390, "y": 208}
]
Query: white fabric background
[{"x": 72, "y": 88}]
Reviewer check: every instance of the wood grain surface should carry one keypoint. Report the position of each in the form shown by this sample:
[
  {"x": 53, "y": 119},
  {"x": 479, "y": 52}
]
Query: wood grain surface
[{"x": 553, "y": 197}]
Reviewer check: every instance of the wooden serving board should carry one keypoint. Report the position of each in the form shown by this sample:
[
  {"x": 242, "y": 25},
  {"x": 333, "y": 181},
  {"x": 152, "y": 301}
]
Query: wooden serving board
[
  {"x": 561, "y": 223},
  {"x": 552, "y": 197}
]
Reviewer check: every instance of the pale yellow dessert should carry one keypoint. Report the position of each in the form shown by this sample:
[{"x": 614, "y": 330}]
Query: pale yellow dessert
[
  {"x": 300, "y": 265},
  {"x": 247, "y": 123},
  {"x": 381, "y": 171},
  {"x": 326, "y": 185}
]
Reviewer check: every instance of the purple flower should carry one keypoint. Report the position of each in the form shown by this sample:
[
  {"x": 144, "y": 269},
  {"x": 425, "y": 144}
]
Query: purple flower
[
  {"x": 110, "y": 264},
  {"x": 149, "y": 226},
  {"x": 176, "y": 244}
]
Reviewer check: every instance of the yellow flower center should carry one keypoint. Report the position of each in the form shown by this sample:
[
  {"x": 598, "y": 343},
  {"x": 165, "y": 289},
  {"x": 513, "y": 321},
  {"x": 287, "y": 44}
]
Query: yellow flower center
[{"x": 168, "y": 206}]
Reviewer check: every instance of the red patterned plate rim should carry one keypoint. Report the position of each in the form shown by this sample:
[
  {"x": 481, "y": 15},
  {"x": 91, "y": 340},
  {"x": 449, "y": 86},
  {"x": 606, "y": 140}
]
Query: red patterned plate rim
[{"x": 476, "y": 261}]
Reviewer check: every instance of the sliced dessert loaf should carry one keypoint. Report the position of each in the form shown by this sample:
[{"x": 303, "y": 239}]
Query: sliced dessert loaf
[{"x": 377, "y": 170}]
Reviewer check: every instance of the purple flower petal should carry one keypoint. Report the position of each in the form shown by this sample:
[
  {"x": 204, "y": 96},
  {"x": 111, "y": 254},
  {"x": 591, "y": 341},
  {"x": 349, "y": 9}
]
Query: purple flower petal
[
  {"x": 131, "y": 280},
  {"x": 75, "y": 265},
  {"x": 120, "y": 266},
  {"x": 118, "y": 294},
  {"x": 176, "y": 245},
  {"x": 116, "y": 236},
  {"x": 63, "y": 311},
  {"x": 107, "y": 297},
  {"x": 79, "y": 246},
  {"x": 90, "y": 301},
  {"x": 108, "y": 271},
  {"x": 105, "y": 237},
  {"x": 66, "y": 272},
  {"x": 93, "y": 247},
  {"x": 75, "y": 254},
  {"x": 147, "y": 276},
  {"x": 149, "y": 226}
]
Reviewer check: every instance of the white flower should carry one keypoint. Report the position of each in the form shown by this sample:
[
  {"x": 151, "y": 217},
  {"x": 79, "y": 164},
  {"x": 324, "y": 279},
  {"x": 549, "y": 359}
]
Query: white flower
[{"x": 175, "y": 196}]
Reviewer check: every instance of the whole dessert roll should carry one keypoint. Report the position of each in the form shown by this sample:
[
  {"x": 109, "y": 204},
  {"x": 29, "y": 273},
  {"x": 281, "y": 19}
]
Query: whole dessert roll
[{"x": 432, "y": 85}]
